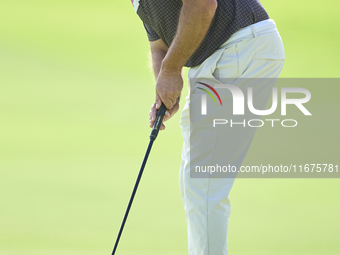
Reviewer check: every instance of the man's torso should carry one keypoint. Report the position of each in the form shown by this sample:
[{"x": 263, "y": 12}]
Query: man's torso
[{"x": 161, "y": 19}]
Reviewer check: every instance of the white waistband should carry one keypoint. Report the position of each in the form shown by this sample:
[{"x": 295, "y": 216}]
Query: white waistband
[{"x": 253, "y": 30}]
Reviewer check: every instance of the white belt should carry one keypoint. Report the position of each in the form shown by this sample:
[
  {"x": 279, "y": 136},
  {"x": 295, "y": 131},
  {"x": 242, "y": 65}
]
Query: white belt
[{"x": 254, "y": 30}]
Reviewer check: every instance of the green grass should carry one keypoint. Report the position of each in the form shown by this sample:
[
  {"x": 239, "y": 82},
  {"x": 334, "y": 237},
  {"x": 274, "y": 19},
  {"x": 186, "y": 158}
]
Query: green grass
[{"x": 75, "y": 92}]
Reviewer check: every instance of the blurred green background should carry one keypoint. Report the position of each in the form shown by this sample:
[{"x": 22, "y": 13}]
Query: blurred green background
[{"x": 75, "y": 92}]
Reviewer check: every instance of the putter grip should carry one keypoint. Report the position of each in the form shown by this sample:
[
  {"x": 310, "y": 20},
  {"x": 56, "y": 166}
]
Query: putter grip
[{"x": 158, "y": 122}]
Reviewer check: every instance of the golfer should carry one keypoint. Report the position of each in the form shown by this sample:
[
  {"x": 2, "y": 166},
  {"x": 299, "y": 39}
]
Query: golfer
[{"x": 217, "y": 39}]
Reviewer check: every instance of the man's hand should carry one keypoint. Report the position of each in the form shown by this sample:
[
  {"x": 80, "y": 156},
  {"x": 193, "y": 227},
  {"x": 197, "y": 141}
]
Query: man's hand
[
  {"x": 168, "y": 88},
  {"x": 168, "y": 113}
]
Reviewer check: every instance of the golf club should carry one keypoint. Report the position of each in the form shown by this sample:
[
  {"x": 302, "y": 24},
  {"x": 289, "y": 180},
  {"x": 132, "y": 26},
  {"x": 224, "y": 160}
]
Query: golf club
[{"x": 155, "y": 129}]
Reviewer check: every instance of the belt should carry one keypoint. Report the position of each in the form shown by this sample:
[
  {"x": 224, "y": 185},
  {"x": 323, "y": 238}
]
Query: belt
[{"x": 254, "y": 30}]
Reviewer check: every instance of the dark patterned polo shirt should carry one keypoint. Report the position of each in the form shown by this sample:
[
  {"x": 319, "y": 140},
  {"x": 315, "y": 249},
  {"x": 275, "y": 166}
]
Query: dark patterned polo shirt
[{"x": 160, "y": 18}]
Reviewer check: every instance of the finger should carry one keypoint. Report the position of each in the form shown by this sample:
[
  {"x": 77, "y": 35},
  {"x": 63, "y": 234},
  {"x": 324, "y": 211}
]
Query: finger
[
  {"x": 151, "y": 125},
  {"x": 169, "y": 99},
  {"x": 168, "y": 102},
  {"x": 171, "y": 112},
  {"x": 158, "y": 101},
  {"x": 153, "y": 112},
  {"x": 167, "y": 114}
]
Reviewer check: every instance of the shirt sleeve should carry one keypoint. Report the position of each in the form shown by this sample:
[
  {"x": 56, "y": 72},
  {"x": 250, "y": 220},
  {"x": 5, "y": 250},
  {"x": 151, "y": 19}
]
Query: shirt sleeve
[{"x": 152, "y": 35}]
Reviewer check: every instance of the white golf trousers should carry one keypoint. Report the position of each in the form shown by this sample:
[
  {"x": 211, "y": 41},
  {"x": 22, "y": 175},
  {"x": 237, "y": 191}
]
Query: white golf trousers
[{"x": 252, "y": 52}]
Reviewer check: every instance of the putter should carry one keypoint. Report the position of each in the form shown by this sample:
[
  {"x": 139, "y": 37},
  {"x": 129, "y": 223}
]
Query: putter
[{"x": 155, "y": 129}]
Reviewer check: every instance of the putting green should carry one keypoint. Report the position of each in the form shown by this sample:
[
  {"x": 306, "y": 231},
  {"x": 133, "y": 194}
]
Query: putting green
[{"x": 75, "y": 92}]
